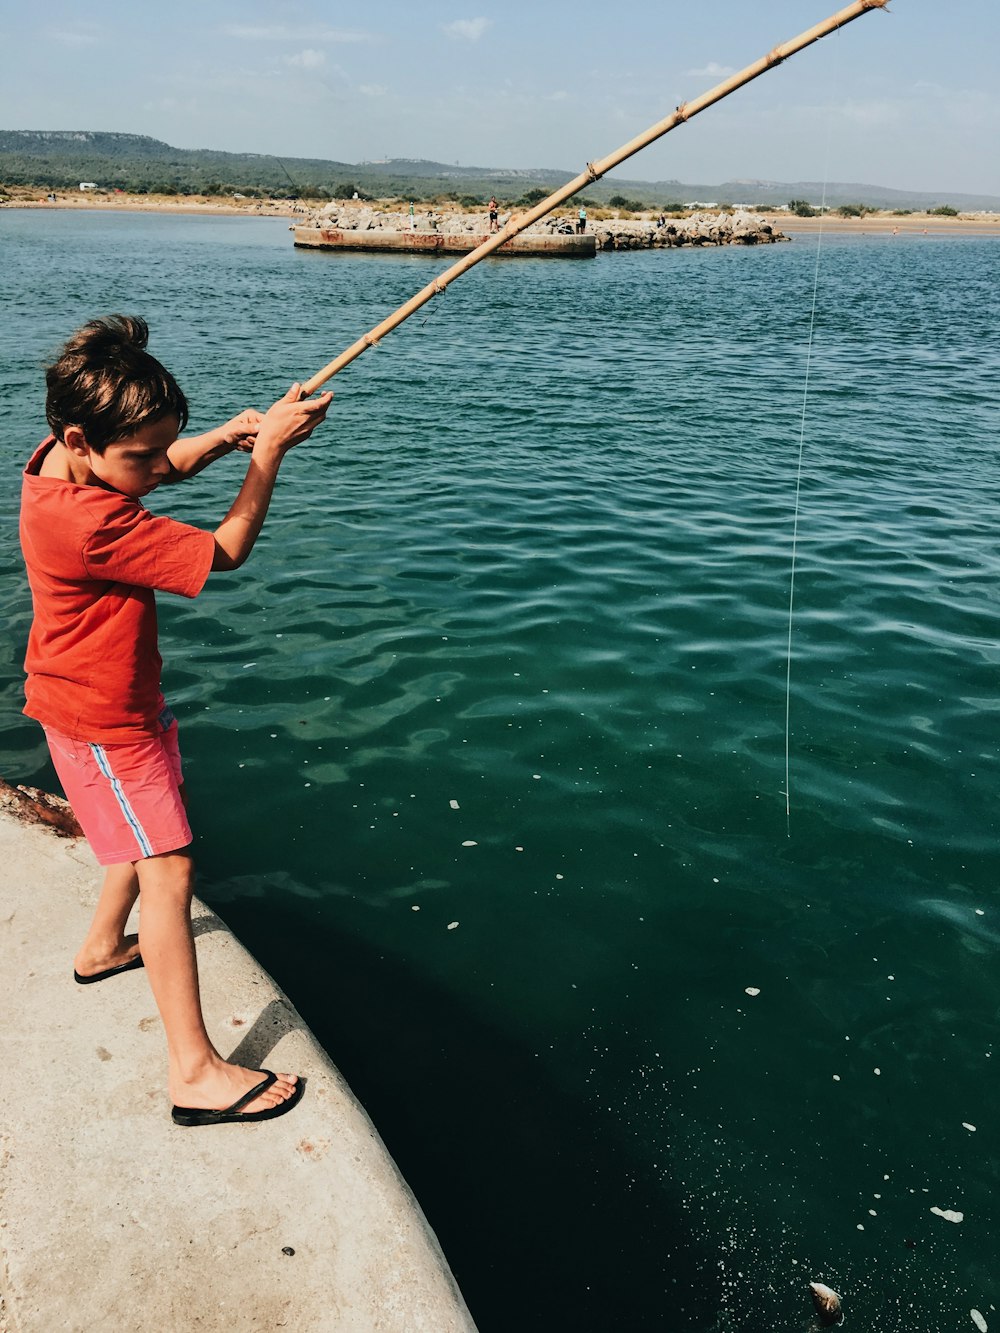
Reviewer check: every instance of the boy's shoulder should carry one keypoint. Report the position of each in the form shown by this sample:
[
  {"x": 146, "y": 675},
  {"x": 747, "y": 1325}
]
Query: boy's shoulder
[
  {"x": 63, "y": 522},
  {"x": 53, "y": 499}
]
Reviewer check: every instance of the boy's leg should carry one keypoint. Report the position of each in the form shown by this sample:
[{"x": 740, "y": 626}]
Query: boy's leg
[
  {"x": 129, "y": 795},
  {"x": 199, "y": 1076},
  {"x": 106, "y": 944}
]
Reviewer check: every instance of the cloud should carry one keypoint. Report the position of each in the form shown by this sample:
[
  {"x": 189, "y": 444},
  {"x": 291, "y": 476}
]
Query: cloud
[
  {"x": 280, "y": 32},
  {"x": 308, "y": 59},
  {"x": 78, "y": 36},
  {"x": 876, "y": 113},
  {"x": 469, "y": 30},
  {"x": 713, "y": 70},
  {"x": 373, "y": 89}
]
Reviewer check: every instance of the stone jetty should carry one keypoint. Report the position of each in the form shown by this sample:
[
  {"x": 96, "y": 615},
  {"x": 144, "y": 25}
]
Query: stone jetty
[
  {"x": 355, "y": 226},
  {"x": 700, "y": 229}
]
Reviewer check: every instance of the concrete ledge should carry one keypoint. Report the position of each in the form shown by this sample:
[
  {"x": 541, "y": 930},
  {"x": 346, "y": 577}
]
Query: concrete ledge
[
  {"x": 441, "y": 242},
  {"x": 113, "y": 1217}
]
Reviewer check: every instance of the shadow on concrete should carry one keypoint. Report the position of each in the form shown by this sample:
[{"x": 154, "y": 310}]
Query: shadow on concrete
[
  {"x": 547, "y": 1221},
  {"x": 207, "y": 925},
  {"x": 274, "y": 1021}
]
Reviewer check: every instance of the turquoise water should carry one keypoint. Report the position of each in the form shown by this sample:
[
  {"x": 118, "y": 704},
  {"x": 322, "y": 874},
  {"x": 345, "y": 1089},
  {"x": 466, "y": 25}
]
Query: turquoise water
[{"x": 537, "y": 567}]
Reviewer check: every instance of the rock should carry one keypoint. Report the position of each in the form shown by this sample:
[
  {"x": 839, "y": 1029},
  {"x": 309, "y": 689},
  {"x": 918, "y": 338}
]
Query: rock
[{"x": 33, "y": 806}]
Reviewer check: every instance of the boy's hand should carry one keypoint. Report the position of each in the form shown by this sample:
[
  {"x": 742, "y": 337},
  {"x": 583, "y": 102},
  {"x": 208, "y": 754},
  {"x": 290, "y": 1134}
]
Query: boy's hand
[
  {"x": 241, "y": 431},
  {"x": 290, "y": 420}
]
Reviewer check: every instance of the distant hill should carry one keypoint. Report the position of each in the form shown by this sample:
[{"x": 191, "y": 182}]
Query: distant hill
[{"x": 61, "y": 159}]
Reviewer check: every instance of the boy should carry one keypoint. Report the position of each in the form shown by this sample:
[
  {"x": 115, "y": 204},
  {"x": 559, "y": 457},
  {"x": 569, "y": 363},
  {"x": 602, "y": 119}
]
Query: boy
[{"x": 94, "y": 557}]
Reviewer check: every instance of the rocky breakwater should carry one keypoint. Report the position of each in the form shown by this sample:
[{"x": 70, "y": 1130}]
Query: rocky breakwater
[
  {"x": 706, "y": 229},
  {"x": 355, "y": 225}
]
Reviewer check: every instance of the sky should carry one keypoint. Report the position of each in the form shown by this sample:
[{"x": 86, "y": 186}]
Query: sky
[{"x": 908, "y": 98}]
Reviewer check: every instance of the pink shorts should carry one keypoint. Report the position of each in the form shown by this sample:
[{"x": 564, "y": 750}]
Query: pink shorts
[{"x": 126, "y": 796}]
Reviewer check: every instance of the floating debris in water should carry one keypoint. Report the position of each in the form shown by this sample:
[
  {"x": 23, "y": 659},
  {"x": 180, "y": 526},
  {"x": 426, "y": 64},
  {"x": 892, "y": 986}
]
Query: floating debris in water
[
  {"x": 827, "y": 1304},
  {"x": 979, "y": 1321},
  {"x": 470, "y": 844},
  {"x": 949, "y": 1214},
  {"x": 752, "y": 990},
  {"x": 453, "y": 804},
  {"x": 970, "y": 1128},
  {"x": 453, "y": 925}
]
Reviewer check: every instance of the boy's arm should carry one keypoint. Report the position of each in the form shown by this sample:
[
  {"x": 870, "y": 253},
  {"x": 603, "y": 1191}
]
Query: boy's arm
[
  {"x": 190, "y": 455},
  {"x": 291, "y": 420}
]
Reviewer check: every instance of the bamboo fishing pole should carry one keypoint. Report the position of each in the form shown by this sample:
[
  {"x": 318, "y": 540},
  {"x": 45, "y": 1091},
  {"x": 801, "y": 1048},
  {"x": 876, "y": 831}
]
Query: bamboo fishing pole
[{"x": 593, "y": 172}]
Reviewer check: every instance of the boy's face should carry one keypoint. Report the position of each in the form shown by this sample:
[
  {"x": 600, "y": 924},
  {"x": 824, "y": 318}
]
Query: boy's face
[{"x": 136, "y": 465}]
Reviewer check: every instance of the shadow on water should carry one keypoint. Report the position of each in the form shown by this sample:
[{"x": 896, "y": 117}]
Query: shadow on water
[{"x": 546, "y": 1223}]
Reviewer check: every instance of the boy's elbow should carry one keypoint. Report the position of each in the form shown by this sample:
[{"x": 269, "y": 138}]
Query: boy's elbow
[{"x": 224, "y": 560}]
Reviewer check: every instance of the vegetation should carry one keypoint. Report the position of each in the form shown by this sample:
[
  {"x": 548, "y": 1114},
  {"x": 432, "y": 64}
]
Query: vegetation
[
  {"x": 854, "y": 210},
  {"x": 627, "y": 205},
  {"x": 945, "y": 211},
  {"x": 348, "y": 190},
  {"x": 801, "y": 208}
]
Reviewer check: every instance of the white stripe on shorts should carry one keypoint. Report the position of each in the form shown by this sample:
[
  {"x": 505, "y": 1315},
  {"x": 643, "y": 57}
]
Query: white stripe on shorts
[{"x": 100, "y": 754}]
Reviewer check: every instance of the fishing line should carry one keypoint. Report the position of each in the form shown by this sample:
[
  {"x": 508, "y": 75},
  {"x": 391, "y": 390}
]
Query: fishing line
[
  {"x": 797, "y": 508},
  {"x": 435, "y": 306},
  {"x": 295, "y": 186}
]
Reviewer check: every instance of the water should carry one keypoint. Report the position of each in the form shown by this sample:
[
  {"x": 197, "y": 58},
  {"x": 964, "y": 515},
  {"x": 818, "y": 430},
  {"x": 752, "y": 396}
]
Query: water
[{"x": 511, "y": 654}]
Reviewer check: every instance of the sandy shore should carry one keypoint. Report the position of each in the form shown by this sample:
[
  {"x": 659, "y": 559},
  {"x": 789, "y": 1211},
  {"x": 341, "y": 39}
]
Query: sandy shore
[
  {"x": 137, "y": 203},
  {"x": 966, "y": 224},
  {"x": 919, "y": 224}
]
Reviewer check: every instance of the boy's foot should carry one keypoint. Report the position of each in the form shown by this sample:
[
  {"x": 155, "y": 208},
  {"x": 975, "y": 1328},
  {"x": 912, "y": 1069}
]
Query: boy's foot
[
  {"x": 89, "y": 966},
  {"x": 239, "y": 1111},
  {"x": 82, "y": 980},
  {"x": 223, "y": 1087}
]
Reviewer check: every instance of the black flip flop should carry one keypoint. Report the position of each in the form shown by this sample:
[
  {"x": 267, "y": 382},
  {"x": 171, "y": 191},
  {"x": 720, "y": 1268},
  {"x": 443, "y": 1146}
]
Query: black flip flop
[
  {"x": 232, "y": 1115},
  {"x": 108, "y": 972}
]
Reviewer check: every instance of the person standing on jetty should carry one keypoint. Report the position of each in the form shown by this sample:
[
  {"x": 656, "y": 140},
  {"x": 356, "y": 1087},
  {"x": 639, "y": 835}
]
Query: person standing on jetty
[
  {"x": 95, "y": 556},
  {"x": 493, "y": 210},
  {"x": 581, "y": 221}
]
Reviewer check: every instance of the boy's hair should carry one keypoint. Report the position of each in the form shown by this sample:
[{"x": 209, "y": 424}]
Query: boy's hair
[{"x": 105, "y": 382}]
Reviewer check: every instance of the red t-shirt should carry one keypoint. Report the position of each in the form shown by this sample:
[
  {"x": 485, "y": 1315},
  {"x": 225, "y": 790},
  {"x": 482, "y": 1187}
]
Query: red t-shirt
[{"x": 94, "y": 557}]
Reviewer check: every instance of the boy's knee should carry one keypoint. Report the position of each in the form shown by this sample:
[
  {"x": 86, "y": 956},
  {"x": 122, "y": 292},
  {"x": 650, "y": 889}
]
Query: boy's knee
[{"x": 170, "y": 875}]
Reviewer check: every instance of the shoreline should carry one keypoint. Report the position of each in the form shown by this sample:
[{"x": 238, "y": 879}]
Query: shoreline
[{"x": 970, "y": 224}]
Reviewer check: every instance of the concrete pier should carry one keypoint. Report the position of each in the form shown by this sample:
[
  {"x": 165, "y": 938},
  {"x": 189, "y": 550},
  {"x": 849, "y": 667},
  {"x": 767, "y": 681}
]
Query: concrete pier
[
  {"x": 441, "y": 242},
  {"x": 113, "y": 1217}
]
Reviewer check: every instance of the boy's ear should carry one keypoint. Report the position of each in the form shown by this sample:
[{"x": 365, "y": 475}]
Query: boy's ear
[{"x": 75, "y": 440}]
